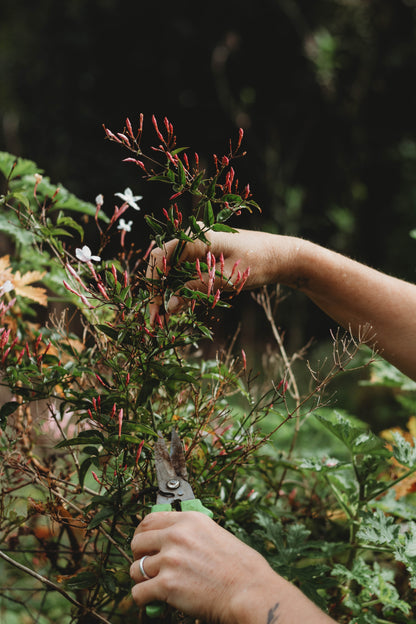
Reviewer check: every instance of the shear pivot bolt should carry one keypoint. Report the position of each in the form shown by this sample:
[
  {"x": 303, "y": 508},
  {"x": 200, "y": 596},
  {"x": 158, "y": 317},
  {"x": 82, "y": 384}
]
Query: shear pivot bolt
[{"x": 173, "y": 484}]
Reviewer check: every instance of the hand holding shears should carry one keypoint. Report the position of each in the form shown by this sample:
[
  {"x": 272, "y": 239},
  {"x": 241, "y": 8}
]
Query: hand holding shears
[{"x": 174, "y": 491}]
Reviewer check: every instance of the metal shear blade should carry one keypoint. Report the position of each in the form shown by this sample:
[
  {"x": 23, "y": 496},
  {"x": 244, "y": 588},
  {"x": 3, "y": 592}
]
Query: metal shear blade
[{"x": 171, "y": 471}]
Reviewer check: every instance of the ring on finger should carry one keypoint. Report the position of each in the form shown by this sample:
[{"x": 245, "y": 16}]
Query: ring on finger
[{"x": 142, "y": 570}]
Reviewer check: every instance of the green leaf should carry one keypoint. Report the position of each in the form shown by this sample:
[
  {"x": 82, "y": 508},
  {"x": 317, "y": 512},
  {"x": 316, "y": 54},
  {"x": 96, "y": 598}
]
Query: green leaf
[
  {"x": 69, "y": 222},
  {"x": 23, "y": 166},
  {"x": 181, "y": 174},
  {"x": 208, "y": 213},
  {"x": 154, "y": 224},
  {"x": 197, "y": 181},
  {"x": 83, "y": 469},
  {"x": 83, "y": 580},
  {"x": 67, "y": 201},
  {"x": 10, "y": 226},
  {"x": 403, "y": 451},
  {"x": 108, "y": 331},
  {"x": 103, "y": 514},
  {"x": 221, "y": 227},
  {"x": 6, "y": 410},
  {"x": 232, "y": 199},
  {"x": 377, "y": 528},
  {"x": 20, "y": 198},
  {"x": 224, "y": 214},
  {"x": 350, "y": 431},
  {"x": 90, "y": 436}
]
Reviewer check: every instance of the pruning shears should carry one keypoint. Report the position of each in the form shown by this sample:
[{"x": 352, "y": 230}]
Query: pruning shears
[{"x": 174, "y": 490}]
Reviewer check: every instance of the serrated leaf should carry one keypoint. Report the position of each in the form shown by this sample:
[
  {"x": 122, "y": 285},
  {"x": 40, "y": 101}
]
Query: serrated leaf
[
  {"x": 403, "y": 451},
  {"x": 23, "y": 166},
  {"x": 10, "y": 226},
  {"x": 377, "y": 528},
  {"x": 342, "y": 426}
]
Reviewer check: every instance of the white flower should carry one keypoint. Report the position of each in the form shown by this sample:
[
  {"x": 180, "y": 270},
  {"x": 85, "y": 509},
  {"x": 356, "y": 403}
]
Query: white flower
[
  {"x": 6, "y": 287},
  {"x": 84, "y": 254},
  {"x": 99, "y": 200},
  {"x": 126, "y": 227},
  {"x": 330, "y": 462},
  {"x": 129, "y": 198}
]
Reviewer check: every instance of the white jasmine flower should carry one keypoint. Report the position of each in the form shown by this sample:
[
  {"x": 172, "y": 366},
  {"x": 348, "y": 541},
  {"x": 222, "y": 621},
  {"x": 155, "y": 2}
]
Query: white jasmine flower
[
  {"x": 126, "y": 227},
  {"x": 330, "y": 462},
  {"x": 6, "y": 287},
  {"x": 99, "y": 200},
  {"x": 85, "y": 255},
  {"x": 129, "y": 198}
]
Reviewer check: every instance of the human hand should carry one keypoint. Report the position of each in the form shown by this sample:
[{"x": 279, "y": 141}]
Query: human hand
[
  {"x": 258, "y": 257},
  {"x": 196, "y": 566}
]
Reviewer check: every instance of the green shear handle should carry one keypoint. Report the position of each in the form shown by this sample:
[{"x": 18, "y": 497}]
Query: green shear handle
[{"x": 155, "y": 609}]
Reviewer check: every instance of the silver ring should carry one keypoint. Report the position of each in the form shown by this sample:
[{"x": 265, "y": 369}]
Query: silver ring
[{"x": 142, "y": 568}]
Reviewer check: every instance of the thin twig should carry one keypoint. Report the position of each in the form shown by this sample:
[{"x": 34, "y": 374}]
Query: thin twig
[{"x": 52, "y": 585}]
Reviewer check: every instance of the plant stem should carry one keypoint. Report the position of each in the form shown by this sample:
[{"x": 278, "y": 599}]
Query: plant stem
[{"x": 52, "y": 585}]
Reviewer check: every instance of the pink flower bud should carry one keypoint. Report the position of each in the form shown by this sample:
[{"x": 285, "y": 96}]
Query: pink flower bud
[
  {"x": 139, "y": 451},
  {"x": 198, "y": 270},
  {"x": 123, "y": 138},
  {"x": 103, "y": 291},
  {"x": 216, "y": 298},
  {"x": 159, "y": 134},
  {"x": 95, "y": 477},
  {"x": 243, "y": 355},
  {"x": 129, "y": 128}
]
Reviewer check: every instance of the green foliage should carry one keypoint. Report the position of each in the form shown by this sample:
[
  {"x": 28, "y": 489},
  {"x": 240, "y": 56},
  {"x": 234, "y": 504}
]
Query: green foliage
[{"x": 87, "y": 390}]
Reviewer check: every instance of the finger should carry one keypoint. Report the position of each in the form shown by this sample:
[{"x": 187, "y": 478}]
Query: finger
[
  {"x": 145, "y": 593},
  {"x": 147, "y": 543},
  {"x": 150, "y": 566},
  {"x": 148, "y": 536},
  {"x": 158, "y": 520}
]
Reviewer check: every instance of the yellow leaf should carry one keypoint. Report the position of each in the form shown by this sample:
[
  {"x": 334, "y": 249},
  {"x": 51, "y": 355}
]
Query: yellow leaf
[
  {"x": 411, "y": 425},
  {"x": 4, "y": 263},
  {"x": 38, "y": 295}
]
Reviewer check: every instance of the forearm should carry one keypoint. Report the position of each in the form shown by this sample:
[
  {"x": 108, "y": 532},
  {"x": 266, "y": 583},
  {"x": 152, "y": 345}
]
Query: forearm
[
  {"x": 356, "y": 296},
  {"x": 275, "y": 600}
]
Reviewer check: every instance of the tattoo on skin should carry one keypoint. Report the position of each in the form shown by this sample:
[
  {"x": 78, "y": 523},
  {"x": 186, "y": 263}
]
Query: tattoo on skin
[{"x": 273, "y": 616}]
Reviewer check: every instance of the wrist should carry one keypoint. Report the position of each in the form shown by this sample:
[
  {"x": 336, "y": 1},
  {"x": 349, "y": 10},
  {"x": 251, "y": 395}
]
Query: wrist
[
  {"x": 274, "y": 599},
  {"x": 253, "y": 603},
  {"x": 289, "y": 261}
]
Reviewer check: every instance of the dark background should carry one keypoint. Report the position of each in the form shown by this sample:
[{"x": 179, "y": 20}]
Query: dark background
[{"x": 324, "y": 89}]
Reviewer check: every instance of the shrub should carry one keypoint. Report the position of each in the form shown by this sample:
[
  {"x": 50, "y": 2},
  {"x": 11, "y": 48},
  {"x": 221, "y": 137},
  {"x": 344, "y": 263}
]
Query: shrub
[{"x": 88, "y": 383}]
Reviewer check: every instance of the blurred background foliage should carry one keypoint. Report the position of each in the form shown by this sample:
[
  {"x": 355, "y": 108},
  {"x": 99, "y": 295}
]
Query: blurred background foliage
[{"x": 324, "y": 90}]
